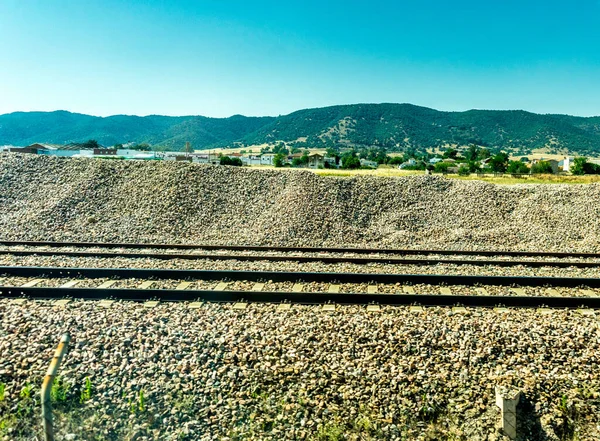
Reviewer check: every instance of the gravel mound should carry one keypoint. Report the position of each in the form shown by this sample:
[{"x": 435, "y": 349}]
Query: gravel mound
[{"x": 94, "y": 200}]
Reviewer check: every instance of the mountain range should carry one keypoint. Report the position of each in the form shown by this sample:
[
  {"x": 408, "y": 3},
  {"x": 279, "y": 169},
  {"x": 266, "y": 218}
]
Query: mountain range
[{"x": 395, "y": 127}]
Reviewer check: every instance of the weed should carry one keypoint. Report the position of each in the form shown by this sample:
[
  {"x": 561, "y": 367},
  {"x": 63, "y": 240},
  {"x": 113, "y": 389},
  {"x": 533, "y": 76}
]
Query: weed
[
  {"x": 141, "y": 401},
  {"x": 330, "y": 432},
  {"x": 2, "y": 391},
  {"x": 58, "y": 392},
  {"x": 567, "y": 428},
  {"x": 26, "y": 392},
  {"x": 86, "y": 392},
  {"x": 362, "y": 424}
]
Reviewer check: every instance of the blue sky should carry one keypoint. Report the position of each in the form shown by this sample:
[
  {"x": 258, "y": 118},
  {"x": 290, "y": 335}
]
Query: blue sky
[{"x": 219, "y": 58}]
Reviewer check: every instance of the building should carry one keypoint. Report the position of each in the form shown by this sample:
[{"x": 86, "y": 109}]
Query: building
[
  {"x": 251, "y": 160},
  {"x": 553, "y": 163},
  {"x": 410, "y": 163},
  {"x": 367, "y": 163},
  {"x": 566, "y": 164},
  {"x": 267, "y": 159},
  {"x": 316, "y": 160}
]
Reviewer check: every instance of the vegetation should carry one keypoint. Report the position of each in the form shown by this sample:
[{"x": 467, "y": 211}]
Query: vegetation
[
  {"x": 542, "y": 167},
  {"x": 226, "y": 160},
  {"x": 517, "y": 167},
  {"x": 350, "y": 160},
  {"x": 372, "y": 127},
  {"x": 279, "y": 160},
  {"x": 581, "y": 166}
]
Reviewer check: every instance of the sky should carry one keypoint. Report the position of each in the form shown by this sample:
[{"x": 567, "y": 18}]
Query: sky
[{"x": 225, "y": 57}]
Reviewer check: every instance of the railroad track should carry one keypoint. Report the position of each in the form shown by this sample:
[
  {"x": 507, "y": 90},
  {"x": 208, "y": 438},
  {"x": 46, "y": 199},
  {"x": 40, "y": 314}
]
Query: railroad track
[
  {"x": 53, "y": 244},
  {"x": 257, "y": 293},
  {"x": 321, "y": 255}
]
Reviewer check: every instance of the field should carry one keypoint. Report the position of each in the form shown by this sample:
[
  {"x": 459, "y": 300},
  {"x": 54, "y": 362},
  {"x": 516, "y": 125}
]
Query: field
[{"x": 504, "y": 180}]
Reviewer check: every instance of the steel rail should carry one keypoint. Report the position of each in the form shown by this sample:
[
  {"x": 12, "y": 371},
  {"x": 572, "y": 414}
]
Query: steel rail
[
  {"x": 304, "y": 259},
  {"x": 171, "y": 295},
  {"x": 290, "y": 276},
  {"x": 55, "y": 244}
]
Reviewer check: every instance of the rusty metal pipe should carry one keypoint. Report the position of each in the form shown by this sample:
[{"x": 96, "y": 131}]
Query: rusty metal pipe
[{"x": 47, "y": 386}]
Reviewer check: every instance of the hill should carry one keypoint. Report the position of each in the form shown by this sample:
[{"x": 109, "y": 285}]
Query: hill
[{"x": 395, "y": 127}]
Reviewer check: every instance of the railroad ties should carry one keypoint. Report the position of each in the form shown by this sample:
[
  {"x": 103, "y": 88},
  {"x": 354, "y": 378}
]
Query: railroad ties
[
  {"x": 328, "y": 289},
  {"x": 377, "y": 289}
]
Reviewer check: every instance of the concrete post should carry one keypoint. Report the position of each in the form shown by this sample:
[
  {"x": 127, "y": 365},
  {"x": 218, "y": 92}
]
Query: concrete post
[{"x": 507, "y": 402}]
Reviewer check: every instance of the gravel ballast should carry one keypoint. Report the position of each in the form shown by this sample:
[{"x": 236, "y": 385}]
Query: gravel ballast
[{"x": 217, "y": 373}]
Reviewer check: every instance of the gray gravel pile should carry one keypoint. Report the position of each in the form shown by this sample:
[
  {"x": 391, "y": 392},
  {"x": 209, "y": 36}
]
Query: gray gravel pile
[
  {"x": 216, "y": 373},
  {"x": 82, "y": 199}
]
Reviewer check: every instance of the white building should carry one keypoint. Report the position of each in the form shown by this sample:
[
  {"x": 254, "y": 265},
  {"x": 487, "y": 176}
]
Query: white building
[
  {"x": 367, "y": 163},
  {"x": 267, "y": 159},
  {"x": 566, "y": 164}
]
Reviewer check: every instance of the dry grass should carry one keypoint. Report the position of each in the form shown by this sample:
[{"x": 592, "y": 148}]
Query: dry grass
[{"x": 503, "y": 180}]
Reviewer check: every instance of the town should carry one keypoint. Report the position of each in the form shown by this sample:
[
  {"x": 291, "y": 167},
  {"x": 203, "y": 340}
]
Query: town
[{"x": 470, "y": 160}]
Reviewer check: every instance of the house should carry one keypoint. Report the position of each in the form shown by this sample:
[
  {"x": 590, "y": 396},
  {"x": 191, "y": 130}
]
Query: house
[
  {"x": 435, "y": 160},
  {"x": 553, "y": 163},
  {"x": 566, "y": 164},
  {"x": 316, "y": 160},
  {"x": 410, "y": 163},
  {"x": 367, "y": 163},
  {"x": 331, "y": 162},
  {"x": 251, "y": 160},
  {"x": 267, "y": 159}
]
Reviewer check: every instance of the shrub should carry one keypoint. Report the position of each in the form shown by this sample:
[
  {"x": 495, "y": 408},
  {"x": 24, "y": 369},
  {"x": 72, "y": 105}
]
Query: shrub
[
  {"x": 542, "y": 167},
  {"x": 463, "y": 170},
  {"x": 226, "y": 160}
]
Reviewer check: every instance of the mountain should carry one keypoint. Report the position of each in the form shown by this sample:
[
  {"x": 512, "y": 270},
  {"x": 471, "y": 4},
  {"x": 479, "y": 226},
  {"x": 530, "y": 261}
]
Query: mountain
[
  {"x": 391, "y": 126},
  {"x": 61, "y": 127}
]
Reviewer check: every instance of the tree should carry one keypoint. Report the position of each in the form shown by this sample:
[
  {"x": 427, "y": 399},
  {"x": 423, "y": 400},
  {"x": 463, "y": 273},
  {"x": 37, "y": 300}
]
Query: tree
[
  {"x": 471, "y": 153},
  {"x": 450, "y": 153},
  {"x": 226, "y": 160},
  {"x": 143, "y": 147},
  {"x": 301, "y": 161},
  {"x": 542, "y": 167},
  {"x": 463, "y": 170},
  {"x": 90, "y": 144},
  {"x": 498, "y": 162},
  {"x": 278, "y": 160},
  {"x": 350, "y": 160},
  {"x": 581, "y": 166},
  {"x": 517, "y": 167},
  {"x": 441, "y": 167},
  {"x": 118, "y": 146}
]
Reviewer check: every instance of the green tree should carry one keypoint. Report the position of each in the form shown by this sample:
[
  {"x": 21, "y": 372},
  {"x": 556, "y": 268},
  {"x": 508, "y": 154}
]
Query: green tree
[
  {"x": 143, "y": 147},
  {"x": 350, "y": 160},
  {"x": 579, "y": 164},
  {"x": 463, "y": 170},
  {"x": 450, "y": 153},
  {"x": 517, "y": 167},
  {"x": 498, "y": 162},
  {"x": 278, "y": 160},
  {"x": 90, "y": 144},
  {"x": 301, "y": 161},
  {"x": 471, "y": 153},
  {"x": 226, "y": 160},
  {"x": 541, "y": 167},
  {"x": 441, "y": 167}
]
